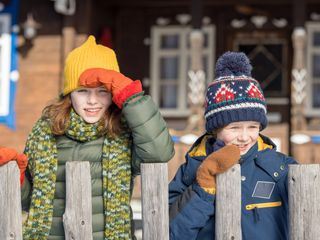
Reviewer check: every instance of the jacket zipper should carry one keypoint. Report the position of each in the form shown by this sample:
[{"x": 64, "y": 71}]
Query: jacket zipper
[
  {"x": 255, "y": 208},
  {"x": 263, "y": 205}
]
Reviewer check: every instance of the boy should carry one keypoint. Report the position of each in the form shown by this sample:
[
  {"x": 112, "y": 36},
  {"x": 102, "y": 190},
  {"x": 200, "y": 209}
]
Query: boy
[{"x": 235, "y": 114}]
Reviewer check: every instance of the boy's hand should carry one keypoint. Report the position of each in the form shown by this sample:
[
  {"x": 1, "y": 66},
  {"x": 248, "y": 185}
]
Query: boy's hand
[
  {"x": 217, "y": 162},
  {"x": 119, "y": 85},
  {"x": 9, "y": 154}
]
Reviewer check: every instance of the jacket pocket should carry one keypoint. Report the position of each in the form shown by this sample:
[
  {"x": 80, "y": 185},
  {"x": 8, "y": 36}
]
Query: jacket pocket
[{"x": 263, "y": 205}]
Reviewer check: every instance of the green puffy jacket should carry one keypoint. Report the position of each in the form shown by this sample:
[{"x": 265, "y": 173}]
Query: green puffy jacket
[{"x": 151, "y": 143}]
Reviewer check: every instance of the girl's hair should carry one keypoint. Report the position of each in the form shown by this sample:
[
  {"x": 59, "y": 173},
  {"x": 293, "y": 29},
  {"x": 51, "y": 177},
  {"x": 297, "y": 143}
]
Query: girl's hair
[{"x": 58, "y": 114}]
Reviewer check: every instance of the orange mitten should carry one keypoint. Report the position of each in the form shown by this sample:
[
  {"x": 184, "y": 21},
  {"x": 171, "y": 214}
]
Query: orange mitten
[
  {"x": 217, "y": 162},
  {"x": 9, "y": 154},
  {"x": 119, "y": 85}
]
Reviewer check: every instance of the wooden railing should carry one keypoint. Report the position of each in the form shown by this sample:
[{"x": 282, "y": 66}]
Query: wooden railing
[
  {"x": 304, "y": 202},
  {"x": 77, "y": 218},
  {"x": 228, "y": 205}
]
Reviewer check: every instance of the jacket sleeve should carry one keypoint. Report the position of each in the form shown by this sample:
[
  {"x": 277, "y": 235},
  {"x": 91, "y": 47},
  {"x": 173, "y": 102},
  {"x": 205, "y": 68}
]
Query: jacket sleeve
[
  {"x": 26, "y": 190},
  {"x": 151, "y": 140},
  {"x": 190, "y": 207}
]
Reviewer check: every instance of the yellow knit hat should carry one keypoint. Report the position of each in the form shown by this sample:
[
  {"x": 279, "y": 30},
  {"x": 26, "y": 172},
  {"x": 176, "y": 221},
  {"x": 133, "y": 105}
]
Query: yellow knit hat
[{"x": 88, "y": 55}]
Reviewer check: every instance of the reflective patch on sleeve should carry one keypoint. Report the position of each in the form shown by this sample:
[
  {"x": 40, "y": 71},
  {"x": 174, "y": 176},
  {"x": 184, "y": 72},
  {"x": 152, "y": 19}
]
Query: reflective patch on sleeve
[{"x": 263, "y": 189}]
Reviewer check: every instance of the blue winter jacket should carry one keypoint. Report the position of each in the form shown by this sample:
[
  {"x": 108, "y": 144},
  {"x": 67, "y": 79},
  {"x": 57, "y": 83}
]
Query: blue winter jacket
[{"x": 264, "y": 196}]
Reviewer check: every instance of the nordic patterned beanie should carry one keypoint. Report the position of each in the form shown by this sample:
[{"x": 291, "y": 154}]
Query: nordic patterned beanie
[
  {"x": 234, "y": 95},
  {"x": 88, "y": 55}
]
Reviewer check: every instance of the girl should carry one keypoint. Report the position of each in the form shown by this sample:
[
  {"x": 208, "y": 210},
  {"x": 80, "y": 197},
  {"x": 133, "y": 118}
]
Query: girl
[{"x": 101, "y": 117}]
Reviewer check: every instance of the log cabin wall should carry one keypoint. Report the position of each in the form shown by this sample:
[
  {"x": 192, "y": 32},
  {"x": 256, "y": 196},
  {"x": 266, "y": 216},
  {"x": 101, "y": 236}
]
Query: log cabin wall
[
  {"x": 41, "y": 64},
  {"x": 39, "y": 68}
]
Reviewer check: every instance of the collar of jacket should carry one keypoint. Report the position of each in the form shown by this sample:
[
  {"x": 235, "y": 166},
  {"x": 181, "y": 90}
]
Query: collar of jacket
[
  {"x": 204, "y": 145},
  {"x": 261, "y": 144},
  {"x": 265, "y": 142},
  {"x": 199, "y": 148},
  {"x": 274, "y": 163},
  {"x": 271, "y": 161}
]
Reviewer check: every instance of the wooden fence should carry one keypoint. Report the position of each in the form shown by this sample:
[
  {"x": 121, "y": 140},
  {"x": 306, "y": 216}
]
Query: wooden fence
[
  {"x": 304, "y": 202},
  {"x": 10, "y": 203}
]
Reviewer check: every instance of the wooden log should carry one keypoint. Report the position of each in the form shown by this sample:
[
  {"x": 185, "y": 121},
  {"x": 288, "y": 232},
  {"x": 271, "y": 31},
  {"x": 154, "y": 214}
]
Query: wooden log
[
  {"x": 10, "y": 202},
  {"x": 77, "y": 219},
  {"x": 228, "y": 205},
  {"x": 304, "y": 198},
  {"x": 155, "y": 211}
]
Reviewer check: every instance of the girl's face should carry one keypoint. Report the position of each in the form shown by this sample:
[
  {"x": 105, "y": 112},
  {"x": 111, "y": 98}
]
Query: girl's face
[
  {"x": 241, "y": 134},
  {"x": 91, "y": 103}
]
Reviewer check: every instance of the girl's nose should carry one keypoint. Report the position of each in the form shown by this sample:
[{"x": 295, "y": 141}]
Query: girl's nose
[{"x": 92, "y": 98}]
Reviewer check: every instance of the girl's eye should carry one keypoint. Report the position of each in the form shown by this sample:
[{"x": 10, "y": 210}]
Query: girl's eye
[
  {"x": 82, "y": 90},
  {"x": 103, "y": 91}
]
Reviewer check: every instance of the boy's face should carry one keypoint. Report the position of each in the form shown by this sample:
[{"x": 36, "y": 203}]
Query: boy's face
[
  {"x": 241, "y": 134},
  {"x": 91, "y": 103}
]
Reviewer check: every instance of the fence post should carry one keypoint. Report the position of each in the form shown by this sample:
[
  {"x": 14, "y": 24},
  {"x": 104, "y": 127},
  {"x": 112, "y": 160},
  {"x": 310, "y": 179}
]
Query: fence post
[
  {"x": 77, "y": 219},
  {"x": 228, "y": 205},
  {"x": 155, "y": 210},
  {"x": 304, "y": 198},
  {"x": 10, "y": 202}
]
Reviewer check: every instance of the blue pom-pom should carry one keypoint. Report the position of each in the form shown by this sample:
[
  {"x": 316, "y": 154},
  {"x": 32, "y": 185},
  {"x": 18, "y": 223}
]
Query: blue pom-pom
[{"x": 233, "y": 64}]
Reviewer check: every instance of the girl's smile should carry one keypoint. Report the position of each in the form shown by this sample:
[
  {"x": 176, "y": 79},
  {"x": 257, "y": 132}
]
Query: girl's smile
[{"x": 91, "y": 103}]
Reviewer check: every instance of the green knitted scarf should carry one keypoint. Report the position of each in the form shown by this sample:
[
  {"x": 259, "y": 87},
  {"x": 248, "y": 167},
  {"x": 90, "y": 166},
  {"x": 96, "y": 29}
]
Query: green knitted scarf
[{"x": 41, "y": 150}]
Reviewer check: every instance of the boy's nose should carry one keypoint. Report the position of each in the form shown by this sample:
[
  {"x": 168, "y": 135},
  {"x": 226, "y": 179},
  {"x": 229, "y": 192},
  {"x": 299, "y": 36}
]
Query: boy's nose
[{"x": 243, "y": 135}]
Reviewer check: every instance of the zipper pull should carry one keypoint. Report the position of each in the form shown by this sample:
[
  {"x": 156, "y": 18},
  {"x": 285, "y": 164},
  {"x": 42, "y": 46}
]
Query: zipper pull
[{"x": 256, "y": 214}]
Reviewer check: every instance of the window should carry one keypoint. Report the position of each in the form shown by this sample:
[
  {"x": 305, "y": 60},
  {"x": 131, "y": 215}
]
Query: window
[
  {"x": 5, "y": 63},
  {"x": 313, "y": 69},
  {"x": 268, "y": 57},
  {"x": 170, "y": 63}
]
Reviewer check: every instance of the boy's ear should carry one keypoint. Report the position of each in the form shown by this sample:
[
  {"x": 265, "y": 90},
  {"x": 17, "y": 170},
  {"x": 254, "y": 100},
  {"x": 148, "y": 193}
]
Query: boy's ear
[{"x": 215, "y": 132}]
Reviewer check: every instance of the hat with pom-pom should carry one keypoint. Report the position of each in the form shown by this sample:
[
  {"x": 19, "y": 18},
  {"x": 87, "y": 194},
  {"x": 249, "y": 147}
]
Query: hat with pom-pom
[{"x": 234, "y": 95}]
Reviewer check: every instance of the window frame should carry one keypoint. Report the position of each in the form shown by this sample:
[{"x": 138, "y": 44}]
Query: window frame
[
  {"x": 5, "y": 55},
  {"x": 281, "y": 96},
  {"x": 311, "y": 27},
  {"x": 182, "y": 52}
]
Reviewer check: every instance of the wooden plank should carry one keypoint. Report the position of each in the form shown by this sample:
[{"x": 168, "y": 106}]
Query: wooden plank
[
  {"x": 196, "y": 9},
  {"x": 304, "y": 198},
  {"x": 299, "y": 14},
  {"x": 183, "y": 3},
  {"x": 68, "y": 38},
  {"x": 10, "y": 202},
  {"x": 228, "y": 205},
  {"x": 77, "y": 219},
  {"x": 303, "y": 153},
  {"x": 155, "y": 211}
]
